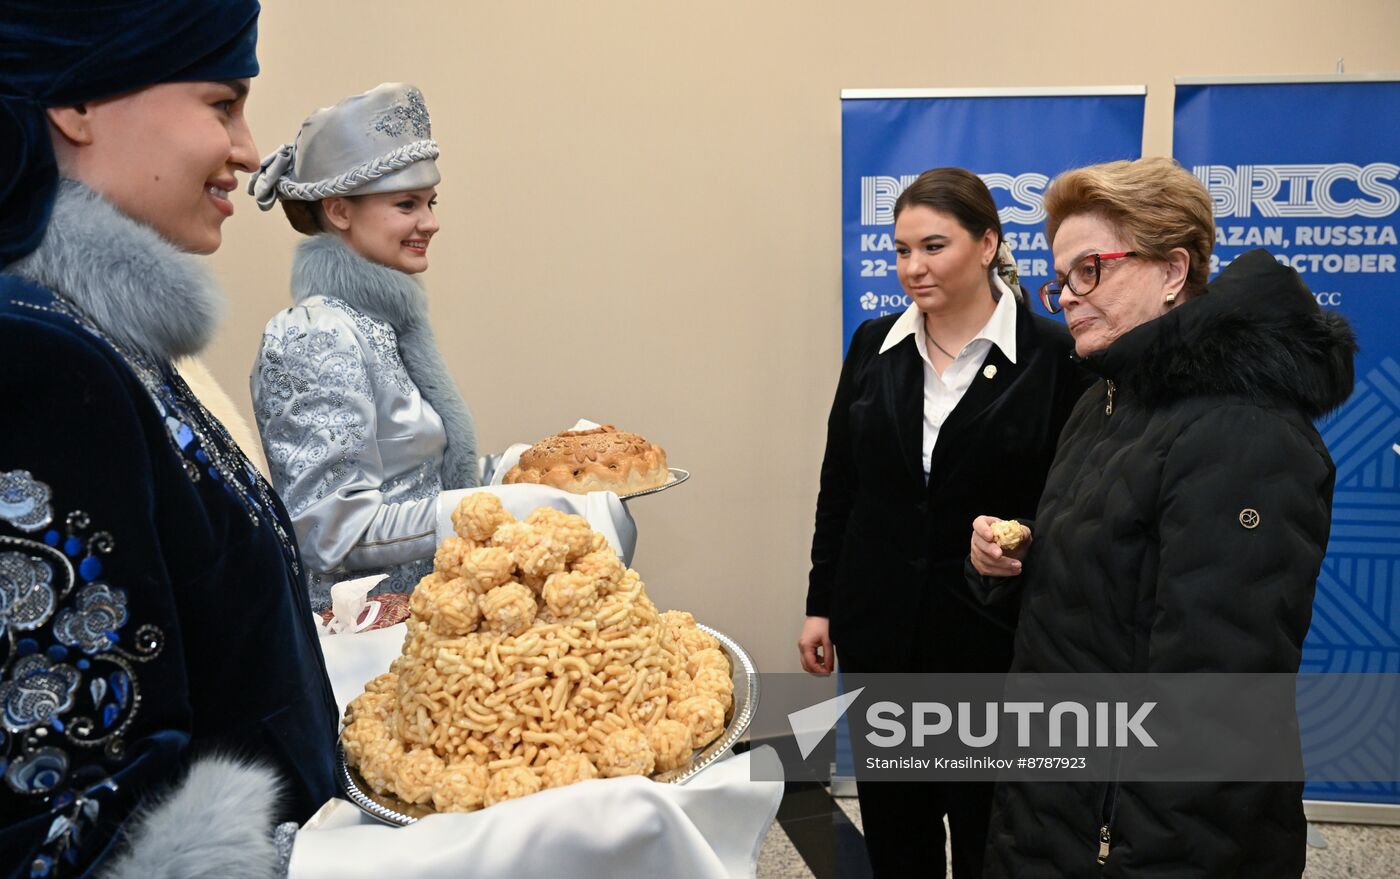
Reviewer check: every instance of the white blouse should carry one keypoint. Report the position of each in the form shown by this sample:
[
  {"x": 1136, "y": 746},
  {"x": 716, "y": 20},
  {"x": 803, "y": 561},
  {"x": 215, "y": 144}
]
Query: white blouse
[{"x": 942, "y": 392}]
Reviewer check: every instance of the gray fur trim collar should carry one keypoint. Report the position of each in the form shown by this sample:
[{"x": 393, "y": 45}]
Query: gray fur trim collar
[
  {"x": 326, "y": 266},
  {"x": 142, "y": 291}
]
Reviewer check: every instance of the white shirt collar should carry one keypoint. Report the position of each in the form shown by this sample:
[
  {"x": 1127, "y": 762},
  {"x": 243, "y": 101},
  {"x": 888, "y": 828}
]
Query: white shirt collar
[{"x": 1000, "y": 329}]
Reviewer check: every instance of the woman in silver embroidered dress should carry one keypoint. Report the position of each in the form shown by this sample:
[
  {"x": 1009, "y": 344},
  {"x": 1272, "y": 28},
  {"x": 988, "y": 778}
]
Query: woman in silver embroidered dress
[{"x": 363, "y": 428}]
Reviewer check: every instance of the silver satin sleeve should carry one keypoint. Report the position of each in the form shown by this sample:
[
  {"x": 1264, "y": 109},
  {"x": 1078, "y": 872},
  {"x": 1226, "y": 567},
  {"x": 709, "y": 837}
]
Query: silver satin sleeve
[{"x": 314, "y": 403}]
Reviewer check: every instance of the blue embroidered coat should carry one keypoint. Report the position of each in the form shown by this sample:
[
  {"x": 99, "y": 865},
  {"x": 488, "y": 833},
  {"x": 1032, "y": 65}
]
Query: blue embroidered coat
[{"x": 152, "y": 600}]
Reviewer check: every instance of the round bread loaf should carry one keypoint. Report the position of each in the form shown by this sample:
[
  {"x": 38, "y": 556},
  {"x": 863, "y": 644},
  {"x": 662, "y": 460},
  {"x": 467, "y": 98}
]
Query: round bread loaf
[{"x": 601, "y": 459}]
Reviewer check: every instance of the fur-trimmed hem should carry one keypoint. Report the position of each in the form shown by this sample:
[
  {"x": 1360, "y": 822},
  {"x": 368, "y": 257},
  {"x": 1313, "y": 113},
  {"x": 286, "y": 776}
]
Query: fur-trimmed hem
[{"x": 218, "y": 822}]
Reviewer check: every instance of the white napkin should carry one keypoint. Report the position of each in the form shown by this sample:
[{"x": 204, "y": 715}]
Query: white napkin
[
  {"x": 709, "y": 828},
  {"x": 351, "y": 609},
  {"x": 351, "y": 662}
]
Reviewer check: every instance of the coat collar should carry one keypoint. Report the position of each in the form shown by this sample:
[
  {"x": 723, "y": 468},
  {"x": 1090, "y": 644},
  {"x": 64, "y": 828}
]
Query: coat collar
[
  {"x": 1257, "y": 333},
  {"x": 139, "y": 289},
  {"x": 1000, "y": 329},
  {"x": 326, "y": 266}
]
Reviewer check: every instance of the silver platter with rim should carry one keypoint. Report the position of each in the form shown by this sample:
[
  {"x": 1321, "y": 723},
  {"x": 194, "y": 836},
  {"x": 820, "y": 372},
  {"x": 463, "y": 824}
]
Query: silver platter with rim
[
  {"x": 677, "y": 477},
  {"x": 392, "y": 810}
]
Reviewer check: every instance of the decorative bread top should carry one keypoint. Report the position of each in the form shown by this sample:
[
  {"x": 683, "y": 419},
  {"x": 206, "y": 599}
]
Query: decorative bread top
[{"x": 599, "y": 459}]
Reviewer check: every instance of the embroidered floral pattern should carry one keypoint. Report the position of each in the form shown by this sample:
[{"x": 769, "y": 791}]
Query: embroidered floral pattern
[
  {"x": 383, "y": 341},
  {"x": 24, "y": 501},
  {"x": 38, "y": 772},
  {"x": 409, "y": 115},
  {"x": 68, "y": 671},
  {"x": 37, "y": 690},
  {"x": 27, "y": 593},
  {"x": 98, "y": 612},
  {"x": 319, "y": 398}
]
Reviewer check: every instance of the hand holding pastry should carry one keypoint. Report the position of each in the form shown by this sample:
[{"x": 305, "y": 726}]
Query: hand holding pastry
[{"x": 998, "y": 546}]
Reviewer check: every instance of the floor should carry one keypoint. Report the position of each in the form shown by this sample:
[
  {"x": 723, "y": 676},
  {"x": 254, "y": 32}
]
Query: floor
[{"x": 818, "y": 836}]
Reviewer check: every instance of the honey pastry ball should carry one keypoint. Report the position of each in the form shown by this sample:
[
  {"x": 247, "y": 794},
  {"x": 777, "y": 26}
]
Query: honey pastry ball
[
  {"x": 461, "y": 787},
  {"x": 677, "y": 619},
  {"x": 691, "y": 641},
  {"x": 1008, "y": 533},
  {"x": 568, "y": 769},
  {"x": 420, "y": 601},
  {"x": 362, "y": 735},
  {"x": 569, "y": 594},
  {"x": 457, "y": 611},
  {"x": 416, "y": 775},
  {"x": 601, "y": 565},
  {"x": 671, "y": 743},
  {"x": 450, "y": 555},
  {"x": 626, "y": 752},
  {"x": 487, "y": 567},
  {"x": 568, "y": 529},
  {"x": 510, "y": 783},
  {"x": 707, "y": 658},
  {"x": 509, "y": 609},
  {"x": 534, "y": 549},
  {"x": 378, "y": 757},
  {"x": 478, "y": 515},
  {"x": 703, "y": 714},
  {"x": 716, "y": 684}
]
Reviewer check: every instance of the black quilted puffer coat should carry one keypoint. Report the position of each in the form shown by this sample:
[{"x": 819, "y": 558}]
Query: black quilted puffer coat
[{"x": 1181, "y": 530}]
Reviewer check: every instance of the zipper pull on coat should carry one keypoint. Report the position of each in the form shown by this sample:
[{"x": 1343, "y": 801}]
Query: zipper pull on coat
[
  {"x": 1108, "y": 407},
  {"x": 1104, "y": 837}
]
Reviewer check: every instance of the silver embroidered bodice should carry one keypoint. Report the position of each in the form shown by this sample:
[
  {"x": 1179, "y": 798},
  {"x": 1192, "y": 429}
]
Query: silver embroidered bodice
[{"x": 354, "y": 449}]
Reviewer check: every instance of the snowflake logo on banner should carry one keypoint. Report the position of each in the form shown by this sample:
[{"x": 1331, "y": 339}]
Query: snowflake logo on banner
[{"x": 868, "y": 302}]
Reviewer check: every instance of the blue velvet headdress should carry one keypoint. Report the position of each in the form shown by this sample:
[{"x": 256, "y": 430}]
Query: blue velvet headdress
[{"x": 56, "y": 53}]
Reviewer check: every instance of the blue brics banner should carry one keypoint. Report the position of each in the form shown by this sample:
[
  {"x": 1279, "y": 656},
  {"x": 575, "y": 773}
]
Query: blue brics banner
[
  {"x": 1310, "y": 170},
  {"x": 1016, "y": 141}
]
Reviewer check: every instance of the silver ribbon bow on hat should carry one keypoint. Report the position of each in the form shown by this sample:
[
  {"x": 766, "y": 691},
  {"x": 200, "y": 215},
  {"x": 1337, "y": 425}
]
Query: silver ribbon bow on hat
[{"x": 263, "y": 184}]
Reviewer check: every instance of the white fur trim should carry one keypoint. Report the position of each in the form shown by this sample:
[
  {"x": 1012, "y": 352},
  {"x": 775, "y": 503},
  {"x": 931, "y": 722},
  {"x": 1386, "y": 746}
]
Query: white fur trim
[
  {"x": 218, "y": 822},
  {"x": 139, "y": 289}
]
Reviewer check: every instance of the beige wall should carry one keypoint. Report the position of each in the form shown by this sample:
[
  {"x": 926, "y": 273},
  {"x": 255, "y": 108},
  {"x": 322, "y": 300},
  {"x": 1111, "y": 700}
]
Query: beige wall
[{"x": 641, "y": 215}]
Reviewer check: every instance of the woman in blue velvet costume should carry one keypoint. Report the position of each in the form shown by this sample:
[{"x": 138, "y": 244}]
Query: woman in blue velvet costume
[{"x": 163, "y": 698}]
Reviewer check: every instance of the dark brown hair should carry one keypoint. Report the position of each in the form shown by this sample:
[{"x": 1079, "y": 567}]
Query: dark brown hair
[
  {"x": 958, "y": 193},
  {"x": 305, "y": 216}
]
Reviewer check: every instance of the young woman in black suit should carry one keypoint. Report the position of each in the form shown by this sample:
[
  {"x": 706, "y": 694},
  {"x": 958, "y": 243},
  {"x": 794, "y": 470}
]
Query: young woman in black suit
[{"x": 943, "y": 412}]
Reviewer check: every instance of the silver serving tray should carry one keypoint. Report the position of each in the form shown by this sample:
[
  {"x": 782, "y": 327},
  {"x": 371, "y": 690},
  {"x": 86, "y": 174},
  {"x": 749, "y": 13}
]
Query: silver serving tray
[
  {"x": 391, "y": 810},
  {"x": 677, "y": 477}
]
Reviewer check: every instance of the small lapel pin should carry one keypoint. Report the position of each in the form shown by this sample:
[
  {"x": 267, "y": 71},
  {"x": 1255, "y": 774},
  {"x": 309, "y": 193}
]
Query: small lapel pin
[{"x": 989, "y": 371}]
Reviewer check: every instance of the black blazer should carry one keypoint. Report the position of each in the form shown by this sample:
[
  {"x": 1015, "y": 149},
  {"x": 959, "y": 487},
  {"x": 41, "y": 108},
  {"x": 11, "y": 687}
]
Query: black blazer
[{"x": 888, "y": 550}]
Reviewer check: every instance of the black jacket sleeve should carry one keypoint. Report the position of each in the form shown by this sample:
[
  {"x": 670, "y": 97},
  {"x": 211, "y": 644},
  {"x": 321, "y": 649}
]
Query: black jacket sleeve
[{"x": 838, "y": 478}]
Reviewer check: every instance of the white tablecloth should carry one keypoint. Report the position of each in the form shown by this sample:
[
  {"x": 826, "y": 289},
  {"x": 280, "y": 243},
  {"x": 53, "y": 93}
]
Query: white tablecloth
[{"x": 710, "y": 827}]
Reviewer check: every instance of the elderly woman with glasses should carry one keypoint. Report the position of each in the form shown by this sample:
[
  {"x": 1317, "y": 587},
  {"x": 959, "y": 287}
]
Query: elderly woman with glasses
[{"x": 1184, "y": 519}]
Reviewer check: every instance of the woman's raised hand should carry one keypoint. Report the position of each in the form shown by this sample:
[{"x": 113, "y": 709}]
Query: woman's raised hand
[{"x": 988, "y": 557}]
